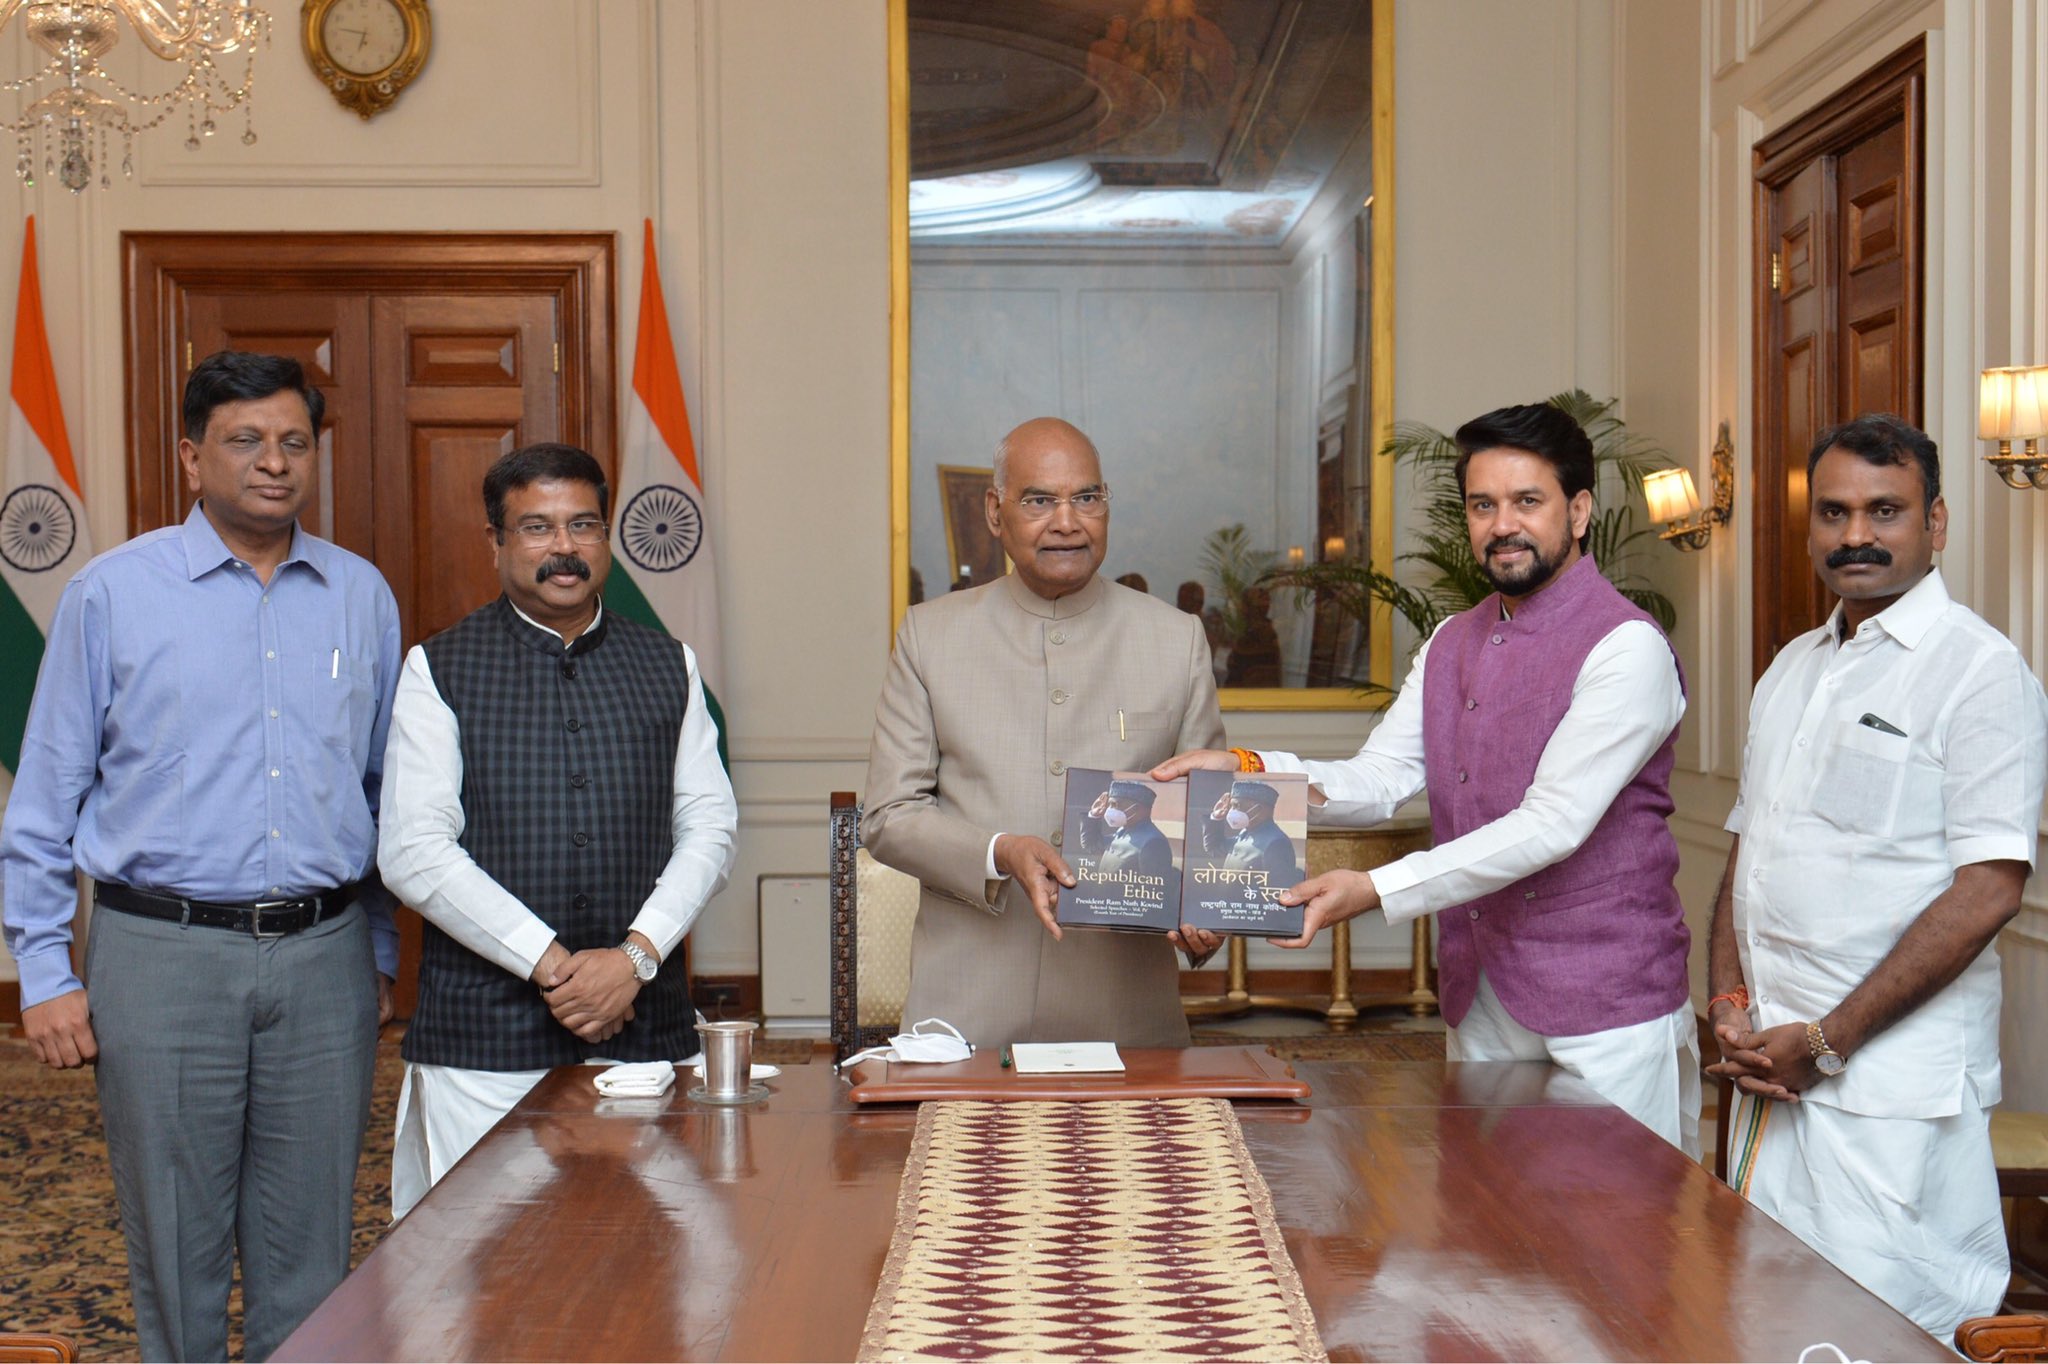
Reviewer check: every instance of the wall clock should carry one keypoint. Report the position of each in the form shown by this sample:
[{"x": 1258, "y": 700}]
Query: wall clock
[{"x": 366, "y": 51}]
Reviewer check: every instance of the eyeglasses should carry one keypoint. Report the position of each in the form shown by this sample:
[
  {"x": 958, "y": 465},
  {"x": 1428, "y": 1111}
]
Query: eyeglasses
[
  {"x": 583, "y": 530},
  {"x": 1092, "y": 503}
]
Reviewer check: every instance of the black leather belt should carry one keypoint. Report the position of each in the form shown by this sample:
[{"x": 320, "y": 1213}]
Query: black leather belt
[{"x": 262, "y": 919}]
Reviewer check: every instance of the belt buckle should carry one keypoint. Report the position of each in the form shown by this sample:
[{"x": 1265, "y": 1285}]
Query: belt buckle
[{"x": 256, "y": 918}]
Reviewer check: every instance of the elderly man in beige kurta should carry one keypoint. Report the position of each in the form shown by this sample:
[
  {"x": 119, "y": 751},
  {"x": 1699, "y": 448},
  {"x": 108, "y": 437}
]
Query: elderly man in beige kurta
[{"x": 992, "y": 694}]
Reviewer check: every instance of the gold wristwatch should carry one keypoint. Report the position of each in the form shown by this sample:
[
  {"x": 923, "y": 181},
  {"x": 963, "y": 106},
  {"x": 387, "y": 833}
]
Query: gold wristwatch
[{"x": 1826, "y": 1059}]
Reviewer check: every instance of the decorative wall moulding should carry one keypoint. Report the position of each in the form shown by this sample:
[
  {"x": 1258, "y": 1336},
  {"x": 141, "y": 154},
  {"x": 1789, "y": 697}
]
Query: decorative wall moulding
[
  {"x": 434, "y": 151},
  {"x": 1729, "y": 30},
  {"x": 1764, "y": 20}
]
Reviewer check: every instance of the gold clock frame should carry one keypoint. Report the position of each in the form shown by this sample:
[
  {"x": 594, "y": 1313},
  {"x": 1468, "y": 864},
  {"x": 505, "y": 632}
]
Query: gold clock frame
[
  {"x": 1381, "y": 394},
  {"x": 368, "y": 95}
]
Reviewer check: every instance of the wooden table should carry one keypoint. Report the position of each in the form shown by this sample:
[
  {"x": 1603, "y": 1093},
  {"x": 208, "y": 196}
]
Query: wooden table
[{"x": 1434, "y": 1211}]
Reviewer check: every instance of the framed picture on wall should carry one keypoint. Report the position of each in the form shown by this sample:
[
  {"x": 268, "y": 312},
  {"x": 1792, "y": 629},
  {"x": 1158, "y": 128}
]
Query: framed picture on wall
[{"x": 973, "y": 556}]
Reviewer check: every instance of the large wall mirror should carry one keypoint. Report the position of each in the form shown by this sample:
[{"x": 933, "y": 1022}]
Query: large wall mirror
[{"x": 1167, "y": 221}]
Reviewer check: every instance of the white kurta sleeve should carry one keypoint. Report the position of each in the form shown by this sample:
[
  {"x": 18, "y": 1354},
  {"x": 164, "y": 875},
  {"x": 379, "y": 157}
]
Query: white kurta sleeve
[
  {"x": 704, "y": 816},
  {"x": 421, "y": 821},
  {"x": 1386, "y": 772}
]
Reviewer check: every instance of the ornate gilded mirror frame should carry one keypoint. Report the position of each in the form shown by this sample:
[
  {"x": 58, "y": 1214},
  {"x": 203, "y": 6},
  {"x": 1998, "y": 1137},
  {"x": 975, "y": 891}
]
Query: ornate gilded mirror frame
[{"x": 1375, "y": 304}]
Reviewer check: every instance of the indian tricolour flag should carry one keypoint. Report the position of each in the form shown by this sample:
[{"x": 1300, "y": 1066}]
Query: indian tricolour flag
[
  {"x": 662, "y": 568},
  {"x": 43, "y": 539}
]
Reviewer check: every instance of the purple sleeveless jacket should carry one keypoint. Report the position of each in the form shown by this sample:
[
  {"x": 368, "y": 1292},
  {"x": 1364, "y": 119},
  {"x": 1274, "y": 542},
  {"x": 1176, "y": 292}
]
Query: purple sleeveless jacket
[{"x": 1598, "y": 940}]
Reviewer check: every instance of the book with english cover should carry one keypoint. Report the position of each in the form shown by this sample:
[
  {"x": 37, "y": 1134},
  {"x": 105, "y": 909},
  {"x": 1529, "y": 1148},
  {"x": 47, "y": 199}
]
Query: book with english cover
[
  {"x": 1122, "y": 837},
  {"x": 1246, "y": 841}
]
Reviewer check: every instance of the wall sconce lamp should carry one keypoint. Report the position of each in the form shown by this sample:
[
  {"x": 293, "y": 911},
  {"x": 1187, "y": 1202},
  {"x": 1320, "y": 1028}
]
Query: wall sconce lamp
[
  {"x": 1674, "y": 501},
  {"x": 2012, "y": 405}
]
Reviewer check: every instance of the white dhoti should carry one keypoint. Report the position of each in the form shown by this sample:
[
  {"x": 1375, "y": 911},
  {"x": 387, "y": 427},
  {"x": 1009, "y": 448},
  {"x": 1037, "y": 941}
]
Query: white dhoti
[
  {"x": 1907, "y": 1207},
  {"x": 1651, "y": 1070},
  {"x": 442, "y": 1112}
]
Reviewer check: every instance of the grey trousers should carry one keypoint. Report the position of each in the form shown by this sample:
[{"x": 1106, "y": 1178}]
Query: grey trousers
[{"x": 234, "y": 1082}]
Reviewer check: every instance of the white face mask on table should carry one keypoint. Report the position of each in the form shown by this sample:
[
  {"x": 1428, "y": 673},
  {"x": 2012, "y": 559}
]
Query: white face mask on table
[{"x": 943, "y": 1043}]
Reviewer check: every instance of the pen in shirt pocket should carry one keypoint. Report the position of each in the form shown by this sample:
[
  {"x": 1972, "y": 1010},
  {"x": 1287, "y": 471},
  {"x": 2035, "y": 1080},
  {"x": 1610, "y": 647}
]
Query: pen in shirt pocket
[{"x": 334, "y": 668}]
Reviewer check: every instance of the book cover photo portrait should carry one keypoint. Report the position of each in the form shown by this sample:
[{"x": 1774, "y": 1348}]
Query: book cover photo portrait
[
  {"x": 1122, "y": 837},
  {"x": 1247, "y": 841}
]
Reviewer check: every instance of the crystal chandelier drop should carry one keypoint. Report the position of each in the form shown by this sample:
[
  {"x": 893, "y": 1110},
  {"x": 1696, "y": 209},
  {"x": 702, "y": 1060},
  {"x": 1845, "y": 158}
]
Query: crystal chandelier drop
[{"x": 78, "y": 106}]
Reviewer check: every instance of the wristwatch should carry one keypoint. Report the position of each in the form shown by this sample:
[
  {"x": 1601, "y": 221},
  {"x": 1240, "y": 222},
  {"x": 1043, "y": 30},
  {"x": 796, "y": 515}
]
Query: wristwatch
[
  {"x": 644, "y": 966},
  {"x": 1826, "y": 1059}
]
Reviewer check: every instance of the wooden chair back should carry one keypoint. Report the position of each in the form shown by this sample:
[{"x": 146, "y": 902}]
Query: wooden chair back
[
  {"x": 33, "y": 1347},
  {"x": 873, "y": 911}
]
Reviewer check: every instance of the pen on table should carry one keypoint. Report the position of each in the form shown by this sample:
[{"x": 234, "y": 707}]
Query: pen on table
[{"x": 334, "y": 668}]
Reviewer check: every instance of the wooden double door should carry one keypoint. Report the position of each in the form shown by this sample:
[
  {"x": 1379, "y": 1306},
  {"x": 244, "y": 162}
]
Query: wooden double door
[{"x": 436, "y": 353}]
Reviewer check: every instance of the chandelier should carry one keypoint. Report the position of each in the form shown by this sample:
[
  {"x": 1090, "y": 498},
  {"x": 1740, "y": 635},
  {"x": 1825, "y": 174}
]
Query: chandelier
[{"x": 79, "y": 106}]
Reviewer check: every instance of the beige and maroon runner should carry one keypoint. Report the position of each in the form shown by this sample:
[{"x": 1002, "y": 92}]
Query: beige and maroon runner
[{"x": 1124, "y": 1229}]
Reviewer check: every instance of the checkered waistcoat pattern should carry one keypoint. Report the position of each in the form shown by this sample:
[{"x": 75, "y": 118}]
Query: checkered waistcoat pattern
[{"x": 568, "y": 777}]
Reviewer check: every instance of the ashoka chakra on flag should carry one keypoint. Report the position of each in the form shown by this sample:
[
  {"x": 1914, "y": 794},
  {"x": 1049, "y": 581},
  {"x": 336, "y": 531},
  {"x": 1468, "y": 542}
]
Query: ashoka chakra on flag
[
  {"x": 661, "y": 528},
  {"x": 36, "y": 528}
]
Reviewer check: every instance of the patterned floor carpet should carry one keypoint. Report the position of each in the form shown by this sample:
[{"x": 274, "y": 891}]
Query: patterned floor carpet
[{"x": 63, "y": 1267}]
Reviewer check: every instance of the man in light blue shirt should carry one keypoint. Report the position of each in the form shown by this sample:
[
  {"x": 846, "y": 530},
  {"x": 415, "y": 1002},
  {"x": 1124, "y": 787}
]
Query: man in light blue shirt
[{"x": 206, "y": 744}]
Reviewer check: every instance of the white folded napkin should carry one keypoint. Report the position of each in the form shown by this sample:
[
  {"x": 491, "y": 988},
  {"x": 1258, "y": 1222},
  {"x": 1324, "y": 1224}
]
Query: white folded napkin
[{"x": 643, "y": 1079}]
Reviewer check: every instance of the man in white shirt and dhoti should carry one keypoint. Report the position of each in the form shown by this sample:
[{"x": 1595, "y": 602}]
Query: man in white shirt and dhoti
[{"x": 1886, "y": 823}]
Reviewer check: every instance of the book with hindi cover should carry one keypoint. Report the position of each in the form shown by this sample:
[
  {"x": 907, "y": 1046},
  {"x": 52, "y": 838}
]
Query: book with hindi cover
[{"x": 1247, "y": 840}]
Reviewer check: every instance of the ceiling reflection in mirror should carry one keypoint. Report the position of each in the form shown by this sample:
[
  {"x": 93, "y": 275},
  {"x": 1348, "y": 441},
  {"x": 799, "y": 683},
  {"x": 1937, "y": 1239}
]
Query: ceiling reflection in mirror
[{"x": 1156, "y": 219}]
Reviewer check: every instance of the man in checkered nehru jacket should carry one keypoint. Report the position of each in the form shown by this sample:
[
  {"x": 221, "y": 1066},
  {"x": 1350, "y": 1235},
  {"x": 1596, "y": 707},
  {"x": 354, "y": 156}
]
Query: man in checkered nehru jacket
[{"x": 556, "y": 809}]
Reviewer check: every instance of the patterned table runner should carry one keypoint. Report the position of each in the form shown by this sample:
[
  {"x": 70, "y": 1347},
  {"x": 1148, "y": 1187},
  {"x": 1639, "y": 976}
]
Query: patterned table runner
[{"x": 1123, "y": 1229}]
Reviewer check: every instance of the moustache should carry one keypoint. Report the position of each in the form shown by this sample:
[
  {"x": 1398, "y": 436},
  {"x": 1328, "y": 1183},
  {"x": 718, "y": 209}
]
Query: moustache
[
  {"x": 1509, "y": 542},
  {"x": 561, "y": 563},
  {"x": 1860, "y": 554}
]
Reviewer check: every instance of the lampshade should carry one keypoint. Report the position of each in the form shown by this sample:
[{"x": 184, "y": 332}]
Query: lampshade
[
  {"x": 1670, "y": 494},
  {"x": 1994, "y": 405},
  {"x": 2030, "y": 402},
  {"x": 2011, "y": 403}
]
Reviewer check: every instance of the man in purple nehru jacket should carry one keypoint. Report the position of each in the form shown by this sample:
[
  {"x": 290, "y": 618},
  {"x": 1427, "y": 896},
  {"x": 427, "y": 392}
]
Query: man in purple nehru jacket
[{"x": 1542, "y": 723}]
